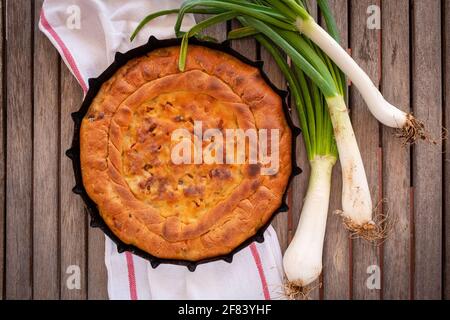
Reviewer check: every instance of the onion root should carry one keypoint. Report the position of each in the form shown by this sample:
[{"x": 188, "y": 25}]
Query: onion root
[
  {"x": 375, "y": 231},
  {"x": 413, "y": 131},
  {"x": 296, "y": 291}
]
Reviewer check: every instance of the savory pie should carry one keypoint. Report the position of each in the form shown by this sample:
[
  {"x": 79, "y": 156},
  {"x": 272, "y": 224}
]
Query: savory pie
[{"x": 181, "y": 211}]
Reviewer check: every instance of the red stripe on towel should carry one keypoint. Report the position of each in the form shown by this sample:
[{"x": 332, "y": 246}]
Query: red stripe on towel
[
  {"x": 65, "y": 51},
  {"x": 260, "y": 268},
  {"x": 131, "y": 276}
]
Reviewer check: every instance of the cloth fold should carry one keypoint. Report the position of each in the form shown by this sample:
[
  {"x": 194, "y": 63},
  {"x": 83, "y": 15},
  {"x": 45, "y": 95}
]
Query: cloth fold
[{"x": 87, "y": 34}]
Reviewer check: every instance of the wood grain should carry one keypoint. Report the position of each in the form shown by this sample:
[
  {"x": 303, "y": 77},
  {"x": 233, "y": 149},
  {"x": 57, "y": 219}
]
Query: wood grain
[
  {"x": 19, "y": 144},
  {"x": 280, "y": 223},
  {"x": 97, "y": 276},
  {"x": 73, "y": 217},
  {"x": 300, "y": 183},
  {"x": 446, "y": 156},
  {"x": 396, "y": 160},
  {"x": 365, "y": 45},
  {"x": 2, "y": 157},
  {"x": 336, "y": 258},
  {"x": 427, "y": 161},
  {"x": 46, "y": 166},
  {"x": 217, "y": 32},
  {"x": 313, "y": 9},
  {"x": 246, "y": 47}
]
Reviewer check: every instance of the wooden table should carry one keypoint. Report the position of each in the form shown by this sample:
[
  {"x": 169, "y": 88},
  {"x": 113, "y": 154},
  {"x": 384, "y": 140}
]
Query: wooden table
[{"x": 43, "y": 224}]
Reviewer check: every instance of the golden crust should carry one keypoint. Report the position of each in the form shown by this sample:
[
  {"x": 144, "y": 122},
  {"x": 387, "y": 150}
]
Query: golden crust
[{"x": 188, "y": 212}]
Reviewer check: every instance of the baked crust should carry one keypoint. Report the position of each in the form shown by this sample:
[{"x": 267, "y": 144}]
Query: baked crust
[{"x": 188, "y": 212}]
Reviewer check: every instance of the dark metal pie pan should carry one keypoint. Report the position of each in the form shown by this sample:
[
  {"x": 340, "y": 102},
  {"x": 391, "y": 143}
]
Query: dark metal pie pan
[{"x": 73, "y": 153}]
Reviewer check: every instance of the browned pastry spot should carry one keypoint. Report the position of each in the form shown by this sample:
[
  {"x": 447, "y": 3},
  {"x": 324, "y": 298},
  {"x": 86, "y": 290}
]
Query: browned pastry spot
[{"x": 185, "y": 211}]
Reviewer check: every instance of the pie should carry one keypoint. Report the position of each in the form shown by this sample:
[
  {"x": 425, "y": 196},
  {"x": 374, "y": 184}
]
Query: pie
[{"x": 188, "y": 211}]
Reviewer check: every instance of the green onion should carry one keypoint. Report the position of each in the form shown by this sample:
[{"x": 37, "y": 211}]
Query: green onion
[
  {"x": 242, "y": 33},
  {"x": 155, "y": 15},
  {"x": 242, "y": 9},
  {"x": 198, "y": 28}
]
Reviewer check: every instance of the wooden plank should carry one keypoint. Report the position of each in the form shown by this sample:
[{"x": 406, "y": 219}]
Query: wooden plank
[
  {"x": 218, "y": 31},
  {"x": 396, "y": 160},
  {"x": 46, "y": 166},
  {"x": 427, "y": 159},
  {"x": 19, "y": 144},
  {"x": 73, "y": 217},
  {"x": 336, "y": 256},
  {"x": 2, "y": 157},
  {"x": 97, "y": 276},
  {"x": 365, "y": 45},
  {"x": 246, "y": 46},
  {"x": 446, "y": 157},
  {"x": 313, "y": 9},
  {"x": 280, "y": 223},
  {"x": 300, "y": 183}
]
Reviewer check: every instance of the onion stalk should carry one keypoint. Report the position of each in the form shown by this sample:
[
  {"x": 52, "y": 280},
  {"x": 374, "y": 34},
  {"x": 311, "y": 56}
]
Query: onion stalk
[{"x": 302, "y": 260}]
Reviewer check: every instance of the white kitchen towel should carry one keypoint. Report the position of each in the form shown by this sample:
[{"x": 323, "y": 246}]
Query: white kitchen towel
[{"x": 87, "y": 34}]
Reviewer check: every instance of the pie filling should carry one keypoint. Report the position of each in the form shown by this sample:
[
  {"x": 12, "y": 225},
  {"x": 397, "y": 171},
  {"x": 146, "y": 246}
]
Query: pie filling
[{"x": 186, "y": 191}]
